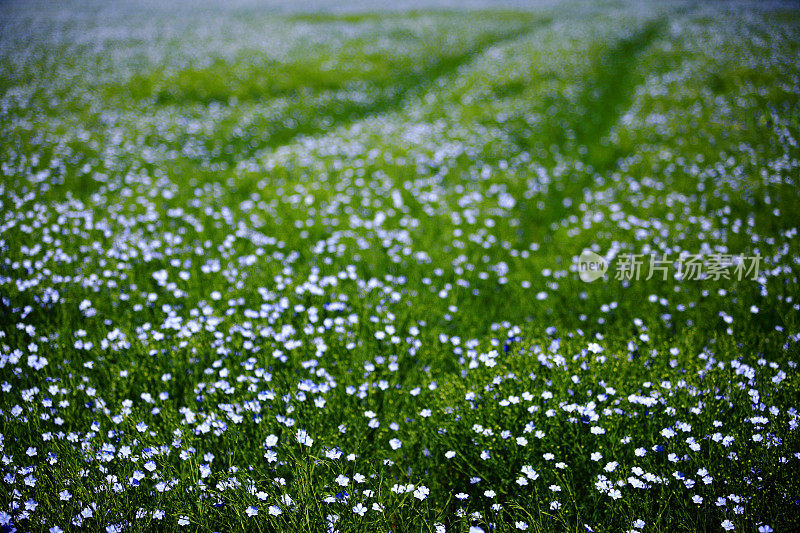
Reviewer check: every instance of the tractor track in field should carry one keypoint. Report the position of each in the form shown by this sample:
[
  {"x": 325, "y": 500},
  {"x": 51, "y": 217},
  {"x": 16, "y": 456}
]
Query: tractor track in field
[
  {"x": 602, "y": 100},
  {"x": 396, "y": 99},
  {"x": 608, "y": 89}
]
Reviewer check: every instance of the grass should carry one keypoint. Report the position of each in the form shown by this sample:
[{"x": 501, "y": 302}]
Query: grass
[{"x": 320, "y": 271}]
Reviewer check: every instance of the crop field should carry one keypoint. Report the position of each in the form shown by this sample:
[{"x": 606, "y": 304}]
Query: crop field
[{"x": 411, "y": 266}]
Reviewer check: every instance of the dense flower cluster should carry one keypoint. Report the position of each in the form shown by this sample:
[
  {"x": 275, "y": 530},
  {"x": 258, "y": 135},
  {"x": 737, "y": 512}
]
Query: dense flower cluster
[{"x": 343, "y": 295}]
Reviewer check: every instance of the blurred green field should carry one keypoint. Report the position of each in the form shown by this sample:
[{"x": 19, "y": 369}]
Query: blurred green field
[{"x": 265, "y": 268}]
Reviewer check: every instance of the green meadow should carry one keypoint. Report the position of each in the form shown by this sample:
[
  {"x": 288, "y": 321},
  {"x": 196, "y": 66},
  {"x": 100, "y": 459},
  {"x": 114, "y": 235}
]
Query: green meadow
[{"x": 406, "y": 267}]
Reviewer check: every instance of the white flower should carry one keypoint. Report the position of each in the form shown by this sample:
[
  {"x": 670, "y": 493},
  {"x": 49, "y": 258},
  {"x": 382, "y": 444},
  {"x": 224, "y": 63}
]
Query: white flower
[
  {"x": 422, "y": 492},
  {"x": 395, "y": 443},
  {"x": 303, "y": 438},
  {"x": 359, "y": 509},
  {"x": 530, "y": 472}
]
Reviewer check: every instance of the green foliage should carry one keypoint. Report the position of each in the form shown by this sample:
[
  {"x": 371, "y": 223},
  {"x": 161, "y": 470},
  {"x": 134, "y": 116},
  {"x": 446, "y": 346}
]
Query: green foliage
[{"x": 241, "y": 253}]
